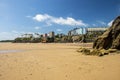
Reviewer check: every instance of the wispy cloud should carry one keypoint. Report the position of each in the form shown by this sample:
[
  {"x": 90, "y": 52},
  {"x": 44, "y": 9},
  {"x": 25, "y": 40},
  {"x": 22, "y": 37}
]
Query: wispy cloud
[
  {"x": 29, "y": 16},
  {"x": 94, "y": 25},
  {"x": 8, "y": 35},
  {"x": 110, "y": 23},
  {"x": 59, "y": 30},
  {"x": 12, "y": 34},
  {"x": 14, "y": 31},
  {"x": 37, "y": 27},
  {"x": 101, "y": 22},
  {"x": 58, "y": 20}
]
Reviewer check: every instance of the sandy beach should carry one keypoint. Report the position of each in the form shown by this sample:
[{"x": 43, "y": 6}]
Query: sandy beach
[{"x": 55, "y": 61}]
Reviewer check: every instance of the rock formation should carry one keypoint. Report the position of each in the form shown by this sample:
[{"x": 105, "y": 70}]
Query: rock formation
[{"x": 111, "y": 38}]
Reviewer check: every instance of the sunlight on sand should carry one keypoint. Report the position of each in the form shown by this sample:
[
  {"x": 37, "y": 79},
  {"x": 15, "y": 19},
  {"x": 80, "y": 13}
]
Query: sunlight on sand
[{"x": 55, "y": 62}]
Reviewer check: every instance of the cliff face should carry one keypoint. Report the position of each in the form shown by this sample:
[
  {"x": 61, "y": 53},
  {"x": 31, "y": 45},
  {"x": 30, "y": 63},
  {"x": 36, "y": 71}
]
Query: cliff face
[{"x": 111, "y": 38}]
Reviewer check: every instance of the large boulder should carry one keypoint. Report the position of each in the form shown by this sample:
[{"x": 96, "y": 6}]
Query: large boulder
[{"x": 111, "y": 38}]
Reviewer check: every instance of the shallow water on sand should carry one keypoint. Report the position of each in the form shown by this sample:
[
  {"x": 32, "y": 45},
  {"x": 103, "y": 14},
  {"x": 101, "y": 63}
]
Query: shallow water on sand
[{"x": 9, "y": 51}]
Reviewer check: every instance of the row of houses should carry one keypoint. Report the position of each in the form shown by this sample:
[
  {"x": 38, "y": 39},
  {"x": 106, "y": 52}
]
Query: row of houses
[
  {"x": 77, "y": 34},
  {"x": 50, "y": 34},
  {"x": 48, "y": 37},
  {"x": 73, "y": 32}
]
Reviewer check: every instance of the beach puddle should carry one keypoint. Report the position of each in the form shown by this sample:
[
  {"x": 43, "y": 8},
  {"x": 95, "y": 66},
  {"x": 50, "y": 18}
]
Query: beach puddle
[{"x": 9, "y": 51}]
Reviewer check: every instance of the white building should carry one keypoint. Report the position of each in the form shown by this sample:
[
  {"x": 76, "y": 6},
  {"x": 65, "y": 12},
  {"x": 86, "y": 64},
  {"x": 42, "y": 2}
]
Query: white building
[
  {"x": 96, "y": 29},
  {"x": 51, "y": 34},
  {"x": 79, "y": 31}
]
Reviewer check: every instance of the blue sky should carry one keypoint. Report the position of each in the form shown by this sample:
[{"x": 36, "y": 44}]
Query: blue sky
[{"x": 30, "y": 16}]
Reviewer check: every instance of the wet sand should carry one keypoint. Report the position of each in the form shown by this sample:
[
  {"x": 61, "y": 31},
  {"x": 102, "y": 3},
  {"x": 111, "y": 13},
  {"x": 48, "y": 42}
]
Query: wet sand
[{"x": 55, "y": 62}]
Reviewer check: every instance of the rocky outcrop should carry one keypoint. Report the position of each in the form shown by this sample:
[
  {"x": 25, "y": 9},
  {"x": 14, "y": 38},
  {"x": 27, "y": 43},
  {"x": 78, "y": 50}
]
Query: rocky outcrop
[
  {"x": 93, "y": 52},
  {"x": 111, "y": 38}
]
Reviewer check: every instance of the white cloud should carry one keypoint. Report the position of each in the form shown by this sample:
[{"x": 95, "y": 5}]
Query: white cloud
[
  {"x": 58, "y": 20},
  {"x": 68, "y": 21},
  {"x": 40, "y": 17},
  {"x": 59, "y": 30},
  {"x": 37, "y": 28},
  {"x": 110, "y": 23}
]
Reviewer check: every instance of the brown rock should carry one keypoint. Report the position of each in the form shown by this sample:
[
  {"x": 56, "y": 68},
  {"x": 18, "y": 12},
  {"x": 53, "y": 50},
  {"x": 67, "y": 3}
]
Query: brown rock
[
  {"x": 84, "y": 51},
  {"x": 111, "y": 38},
  {"x": 96, "y": 52}
]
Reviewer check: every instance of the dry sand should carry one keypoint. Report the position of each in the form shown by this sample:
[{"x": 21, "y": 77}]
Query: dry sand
[{"x": 55, "y": 62}]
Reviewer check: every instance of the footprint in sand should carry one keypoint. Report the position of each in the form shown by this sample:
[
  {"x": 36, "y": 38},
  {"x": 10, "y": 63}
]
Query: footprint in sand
[{"x": 0, "y": 75}]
